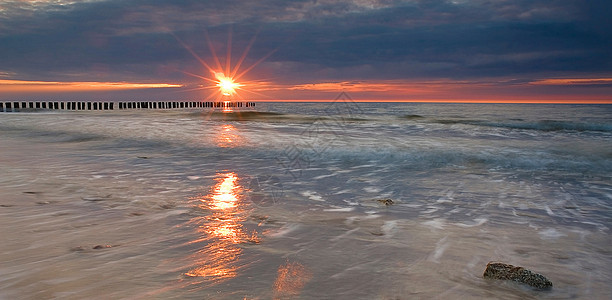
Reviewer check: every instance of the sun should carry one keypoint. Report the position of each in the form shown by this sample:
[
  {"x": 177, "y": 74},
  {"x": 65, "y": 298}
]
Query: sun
[
  {"x": 225, "y": 77},
  {"x": 227, "y": 86}
]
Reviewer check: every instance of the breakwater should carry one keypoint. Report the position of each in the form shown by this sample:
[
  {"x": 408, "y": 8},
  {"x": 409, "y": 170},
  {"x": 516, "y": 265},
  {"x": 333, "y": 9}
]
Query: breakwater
[{"x": 22, "y": 106}]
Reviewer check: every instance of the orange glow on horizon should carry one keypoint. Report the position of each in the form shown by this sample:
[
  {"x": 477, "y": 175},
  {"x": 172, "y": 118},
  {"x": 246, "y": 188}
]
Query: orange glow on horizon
[
  {"x": 579, "y": 90},
  {"x": 75, "y": 86},
  {"x": 459, "y": 91},
  {"x": 467, "y": 100}
]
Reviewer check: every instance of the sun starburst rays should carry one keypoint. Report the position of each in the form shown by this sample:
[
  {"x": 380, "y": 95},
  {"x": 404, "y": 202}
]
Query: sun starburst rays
[{"x": 226, "y": 78}]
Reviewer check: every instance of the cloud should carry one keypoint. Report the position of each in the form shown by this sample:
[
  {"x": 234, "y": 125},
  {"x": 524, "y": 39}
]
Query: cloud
[
  {"x": 573, "y": 81},
  {"x": 318, "y": 41},
  {"x": 54, "y": 86}
]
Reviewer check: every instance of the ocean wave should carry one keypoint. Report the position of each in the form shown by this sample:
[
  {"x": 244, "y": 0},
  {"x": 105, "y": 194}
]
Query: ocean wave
[
  {"x": 55, "y": 136},
  {"x": 275, "y": 117},
  {"x": 419, "y": 160},
  {"x": 542, "y": 125},
  {"x": 552, "y": 125},
  {"x": 412, "y": 117}
]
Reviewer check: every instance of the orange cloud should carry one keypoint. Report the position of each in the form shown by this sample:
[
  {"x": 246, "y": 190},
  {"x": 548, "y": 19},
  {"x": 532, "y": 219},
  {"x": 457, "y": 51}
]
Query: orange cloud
[
  {"x": 448, "y": 90},
  {"x": 392, "y": 86},
  {"x": 361, "y": 86},
  {"x": 572, "y": 81},
  {"x": 75, "y": 86}
]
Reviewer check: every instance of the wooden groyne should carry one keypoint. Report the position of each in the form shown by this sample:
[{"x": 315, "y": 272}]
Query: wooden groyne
[{"x": 21, "y": 106}]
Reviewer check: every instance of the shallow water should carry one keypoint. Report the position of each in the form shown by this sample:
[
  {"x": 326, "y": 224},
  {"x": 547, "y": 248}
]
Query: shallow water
[{"x": 283, "y": 202}]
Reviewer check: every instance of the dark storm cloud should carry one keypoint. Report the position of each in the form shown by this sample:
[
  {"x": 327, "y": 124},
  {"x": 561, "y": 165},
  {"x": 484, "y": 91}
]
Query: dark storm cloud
[
  {"x": 316, "y": 39},
  {"x": 443, "y": 40}
]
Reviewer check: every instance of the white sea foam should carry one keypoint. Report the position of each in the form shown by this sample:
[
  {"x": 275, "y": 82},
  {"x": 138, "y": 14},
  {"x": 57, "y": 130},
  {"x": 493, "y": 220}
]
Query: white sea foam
[
  {"x": 551, "y": 234},
  {"x": 549, "y": 211},
  {"x": 477, "y": 222},
  {"x": 389, "y": 227},
  {"x": 344, "y": 235},
  {"x": 441, "y": 247},
  {"x": 284, "y": 230},
  {"x": 323, "y": 176},
  {"x": 312, "y": 196},
  {"x": 437, "y": 223},
  {"x": 340, "y": 209},
  {"x": 372, "y": 189}
]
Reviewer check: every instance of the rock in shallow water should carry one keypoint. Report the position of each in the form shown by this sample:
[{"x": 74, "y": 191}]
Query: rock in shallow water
[
  {"x": 498, "y": 270},
  {"x": 386, "y": 202}
]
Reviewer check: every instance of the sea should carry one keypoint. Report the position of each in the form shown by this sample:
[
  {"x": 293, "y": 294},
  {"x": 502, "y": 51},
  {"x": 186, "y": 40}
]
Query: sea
[{"x": 325, "y": 200}]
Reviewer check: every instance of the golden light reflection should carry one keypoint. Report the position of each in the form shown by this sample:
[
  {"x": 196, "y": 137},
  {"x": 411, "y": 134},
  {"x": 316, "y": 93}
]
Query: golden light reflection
[
  {"x": 227, "y": 106},
  {"x": 222, "y": 230},
  {"x": 225, "y": 194},
  {"x": 228, "y": 137},
  {"x": 290, "y": 280}
]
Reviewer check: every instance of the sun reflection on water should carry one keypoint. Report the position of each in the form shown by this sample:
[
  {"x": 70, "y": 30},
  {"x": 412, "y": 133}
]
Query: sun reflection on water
[
  {"x": 227, "y": 136},
  {"x": 225, "y": 193},
  {"x": 222, "y": 230}
]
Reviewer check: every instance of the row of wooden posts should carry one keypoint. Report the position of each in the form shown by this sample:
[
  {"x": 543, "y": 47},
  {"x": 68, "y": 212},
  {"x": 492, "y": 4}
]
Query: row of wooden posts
[{"x": 15, "y": 106}]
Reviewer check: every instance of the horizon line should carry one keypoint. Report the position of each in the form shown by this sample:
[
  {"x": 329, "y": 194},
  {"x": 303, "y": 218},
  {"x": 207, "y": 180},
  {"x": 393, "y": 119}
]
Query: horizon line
[{"x": 475, "y": 101}]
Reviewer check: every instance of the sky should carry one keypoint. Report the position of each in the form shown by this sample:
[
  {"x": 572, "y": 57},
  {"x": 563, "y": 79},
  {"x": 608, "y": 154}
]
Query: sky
[{"x": 302, "y": 50}]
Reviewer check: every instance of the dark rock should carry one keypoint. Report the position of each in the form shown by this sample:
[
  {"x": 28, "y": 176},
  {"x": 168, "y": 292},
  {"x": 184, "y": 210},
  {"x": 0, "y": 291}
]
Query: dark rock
[
  {"x": 498, "y": 270},
  {"x": 386, "y": 202},
  {"x": 102, "y": 247},
  {"x": 167, "y": 206}
]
